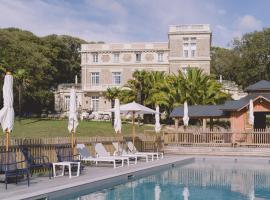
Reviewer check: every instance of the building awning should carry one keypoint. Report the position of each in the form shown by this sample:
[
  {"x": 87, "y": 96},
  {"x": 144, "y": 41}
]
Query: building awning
[{"x": 199, "y": 111}]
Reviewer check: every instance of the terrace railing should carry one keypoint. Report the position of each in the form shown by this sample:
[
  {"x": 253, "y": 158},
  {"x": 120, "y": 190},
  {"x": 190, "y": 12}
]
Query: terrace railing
[{"x": 217, "y": 138}]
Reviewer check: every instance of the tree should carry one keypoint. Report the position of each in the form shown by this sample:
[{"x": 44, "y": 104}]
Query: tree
[
  {"x": 171, "y": 90},
  {"x": 111, "y": 94},
  {"x": 248, "y": 60},
  {"x": 38, "y": 65}
]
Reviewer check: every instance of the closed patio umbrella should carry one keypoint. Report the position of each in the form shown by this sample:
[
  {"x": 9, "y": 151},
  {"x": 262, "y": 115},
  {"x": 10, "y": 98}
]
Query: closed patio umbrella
[
  {"x": 7, "y": 112},
  {"x": 72, "y": 118},
  {"x": 157, "y": 120},
  {"x": 117, "y": 117},
  {"x": 185, "y": 117},
  {"x": 251, "y": 113}
]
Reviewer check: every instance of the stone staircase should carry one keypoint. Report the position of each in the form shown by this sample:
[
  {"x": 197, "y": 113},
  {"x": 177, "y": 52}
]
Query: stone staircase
[{"x": 217, "y": 151}]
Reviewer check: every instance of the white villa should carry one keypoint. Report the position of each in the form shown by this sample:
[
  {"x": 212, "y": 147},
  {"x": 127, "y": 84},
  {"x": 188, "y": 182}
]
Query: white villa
[{"x": 112, "y": 65}]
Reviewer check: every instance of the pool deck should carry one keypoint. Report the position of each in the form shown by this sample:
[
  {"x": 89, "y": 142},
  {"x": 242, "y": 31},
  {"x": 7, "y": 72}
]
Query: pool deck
[{"x": 92, "y": 177}]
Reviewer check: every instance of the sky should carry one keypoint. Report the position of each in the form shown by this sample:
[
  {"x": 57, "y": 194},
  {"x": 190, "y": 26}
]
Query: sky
[{"x": 134, "y": 20}]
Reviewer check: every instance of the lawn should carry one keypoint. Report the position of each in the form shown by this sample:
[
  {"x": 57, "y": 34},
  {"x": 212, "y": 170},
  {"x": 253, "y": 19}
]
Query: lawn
[{"x": 57, "y": 128}]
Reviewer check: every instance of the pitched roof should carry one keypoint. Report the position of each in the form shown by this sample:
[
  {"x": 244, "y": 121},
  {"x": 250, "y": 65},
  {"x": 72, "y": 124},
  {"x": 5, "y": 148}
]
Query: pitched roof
[
  {"x": 198, "y": 111},
  {"x": 241, "y": 103},
  {"x": 261, "y": 85}
]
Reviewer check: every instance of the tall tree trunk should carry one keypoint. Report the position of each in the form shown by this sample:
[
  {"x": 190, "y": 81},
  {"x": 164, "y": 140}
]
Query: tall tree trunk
[{"x": 20, "y": 101}]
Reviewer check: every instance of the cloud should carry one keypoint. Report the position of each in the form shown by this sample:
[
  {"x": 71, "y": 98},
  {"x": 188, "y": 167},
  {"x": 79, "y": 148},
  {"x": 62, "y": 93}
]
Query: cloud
[
  {"x": 248, "y": 23},
  {"x": 121, "y": 20}
]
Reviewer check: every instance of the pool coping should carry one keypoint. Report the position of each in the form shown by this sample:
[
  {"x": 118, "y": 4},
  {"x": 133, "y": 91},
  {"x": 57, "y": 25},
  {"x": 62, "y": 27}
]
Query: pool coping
[{"x": 106, "y": 180}]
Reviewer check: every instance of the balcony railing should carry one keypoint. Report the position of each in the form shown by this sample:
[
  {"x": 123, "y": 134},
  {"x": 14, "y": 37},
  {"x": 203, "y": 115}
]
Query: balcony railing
[
  {"x": 100, "y": 87},
  {"x": 65, "y": 86},
  {"x": 190, "y": 27}
]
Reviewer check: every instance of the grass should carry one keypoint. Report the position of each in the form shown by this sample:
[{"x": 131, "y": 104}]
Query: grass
[{"x": 29, "y": 128}]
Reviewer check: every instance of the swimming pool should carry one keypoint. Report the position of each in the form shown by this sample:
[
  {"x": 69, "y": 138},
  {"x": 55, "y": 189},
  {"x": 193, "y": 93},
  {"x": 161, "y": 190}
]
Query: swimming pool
[{"x": 206, "y": 178}]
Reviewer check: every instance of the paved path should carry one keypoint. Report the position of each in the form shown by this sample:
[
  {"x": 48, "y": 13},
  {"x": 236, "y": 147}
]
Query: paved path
[{"x": 92, "y": 177}]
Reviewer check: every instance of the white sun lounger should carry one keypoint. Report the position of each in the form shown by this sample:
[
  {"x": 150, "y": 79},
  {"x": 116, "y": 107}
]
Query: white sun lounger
[
  {"x": 124, "y": 153},
  {"x": 103, "y": 153},
  {"x": 133, "y": 149},
  {"x": 85, "y": 155}
]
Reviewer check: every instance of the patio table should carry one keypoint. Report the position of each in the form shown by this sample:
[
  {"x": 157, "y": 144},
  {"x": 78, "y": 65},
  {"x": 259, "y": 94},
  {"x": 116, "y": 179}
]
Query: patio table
[{"x": 66, "y": 164}]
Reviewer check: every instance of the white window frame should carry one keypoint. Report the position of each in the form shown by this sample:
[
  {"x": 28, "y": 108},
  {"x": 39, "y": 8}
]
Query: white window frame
[
  {"x": 66, "y": 102},
  {"x": 95, "y": 78},
  {"x": 160, "y": 56},
  {"x": 95, "y": 103},
  {"x": 186, "y": 54},
  {"x": 189, "y": 47},
  {"x": 116, "y": 78},
  {"x": 116, "y": 57},
  {"x": 138, "y": 57},
  {"x": 95, "y": 57}
]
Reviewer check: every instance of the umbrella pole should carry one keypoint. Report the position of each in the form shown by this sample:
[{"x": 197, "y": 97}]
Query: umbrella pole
[
  {"x": 72, "y": 141},
  {"x": 133, "y": 128},
  {"x": 7, "y": 140}
]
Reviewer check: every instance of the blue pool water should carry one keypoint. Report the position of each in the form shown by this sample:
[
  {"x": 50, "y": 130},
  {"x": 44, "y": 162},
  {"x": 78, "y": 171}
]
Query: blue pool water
[{"x": 202, "y": 180}]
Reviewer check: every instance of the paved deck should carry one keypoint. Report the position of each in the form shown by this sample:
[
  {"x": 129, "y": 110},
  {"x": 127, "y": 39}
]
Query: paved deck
[{"x": 92, "y": 177}]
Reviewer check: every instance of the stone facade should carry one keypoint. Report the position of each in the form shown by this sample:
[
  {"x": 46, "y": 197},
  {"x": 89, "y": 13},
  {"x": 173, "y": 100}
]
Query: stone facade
[{"x": 112, "y": 65}]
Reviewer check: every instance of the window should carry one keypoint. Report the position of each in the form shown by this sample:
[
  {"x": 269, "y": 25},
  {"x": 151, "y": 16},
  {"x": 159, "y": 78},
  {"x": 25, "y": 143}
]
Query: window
[
  {"x": 116, "y": 57},
  {"x": 95, "y": 57},
  {"x": 186, "y": 53},
  {"x": 94, "y": 78},
  {"x": 66, "y": 102},
  {"x": 160, "y": 56},
  {"x": 116, "y": 78},
  {"x": 189, "y": 47},
  {"x": 193, "y": 52},
  {"x": 138, "y": 57},
  {"x": 95, "y": 103}
]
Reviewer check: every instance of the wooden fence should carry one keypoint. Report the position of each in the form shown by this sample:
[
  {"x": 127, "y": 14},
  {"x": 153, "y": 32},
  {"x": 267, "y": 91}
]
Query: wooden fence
[
  {"x": 144, "y": 142},
  {"x": 47, "y": 146},
  {"x": 218, "y": 138}
]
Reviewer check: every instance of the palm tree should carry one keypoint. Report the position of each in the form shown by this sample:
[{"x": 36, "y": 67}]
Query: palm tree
[
  {"x": 111, "y": 94},
  {"x": 195, "y": 87},
  {"x": 157, "y": 94},
  {"x": 22, "y": 80},
  {"x": 202, "y": 88},
  {"x": 139, "y": 85}
]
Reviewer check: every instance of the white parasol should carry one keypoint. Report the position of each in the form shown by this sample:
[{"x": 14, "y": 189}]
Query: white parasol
[
  {"x": 157, "y": 119},
  {"x": 185, "y": 117},
  {"x": 7, "y": 112}
]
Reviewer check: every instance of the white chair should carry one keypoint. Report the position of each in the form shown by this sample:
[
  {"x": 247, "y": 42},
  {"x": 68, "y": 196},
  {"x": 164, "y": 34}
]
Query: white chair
[
  {"x": 133, "y": 150},
  {"x": 123, "y": 152},
  {"x": 103, "y": 153},
  {"x": 85, "y": 155}
]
